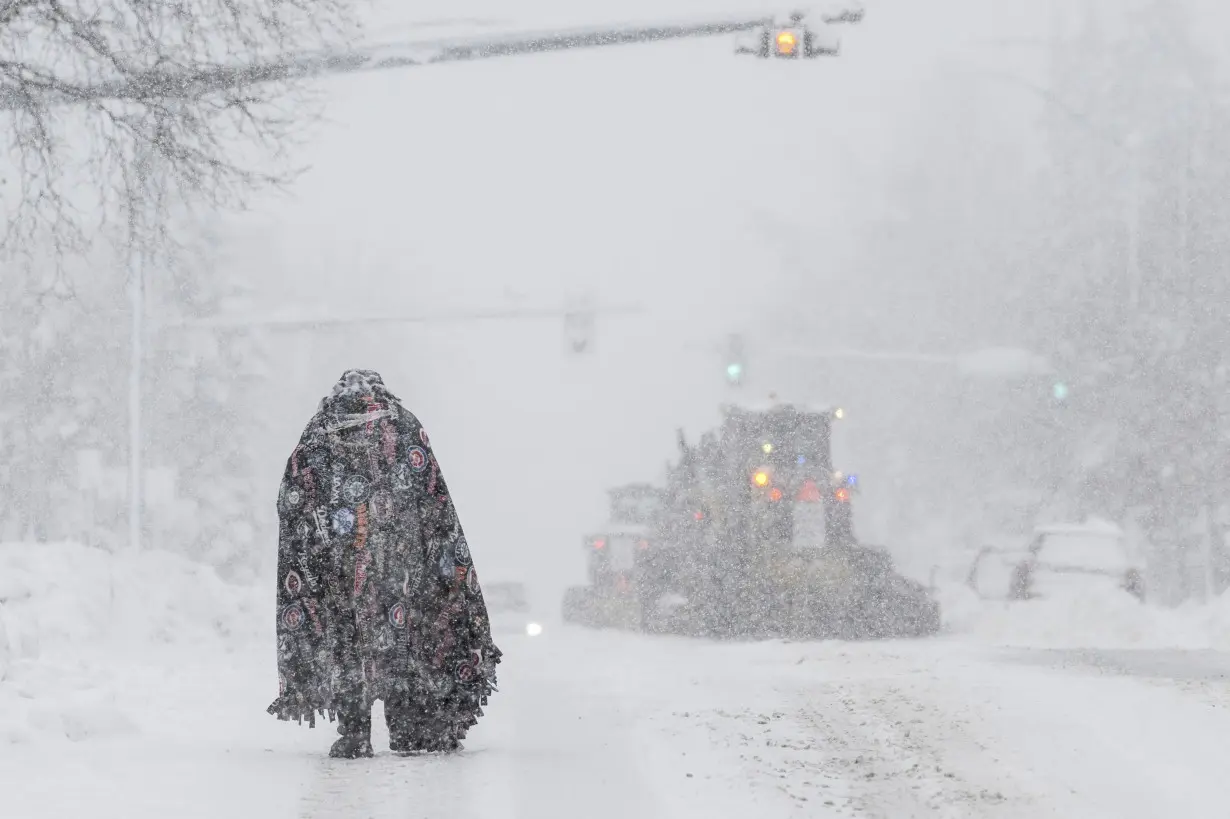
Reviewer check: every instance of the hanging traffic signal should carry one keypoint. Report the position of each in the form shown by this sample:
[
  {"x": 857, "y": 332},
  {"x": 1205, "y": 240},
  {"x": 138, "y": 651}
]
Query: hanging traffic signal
[
  {"x": 1059, "y": 391},
  {"x": 734, "y": 372}
]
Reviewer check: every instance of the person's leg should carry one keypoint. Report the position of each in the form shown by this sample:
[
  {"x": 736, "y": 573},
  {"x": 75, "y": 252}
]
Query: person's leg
[
  {"x": 440, "y": 729},
  {"x": 399, "y": 715},
  {"x": 421, "y": 723},
  {"x": 354, "y": 723}
]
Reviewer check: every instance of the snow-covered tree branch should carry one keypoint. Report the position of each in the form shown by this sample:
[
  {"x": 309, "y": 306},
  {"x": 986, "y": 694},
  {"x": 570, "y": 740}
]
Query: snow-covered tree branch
[{"x": 101, "y": 113}]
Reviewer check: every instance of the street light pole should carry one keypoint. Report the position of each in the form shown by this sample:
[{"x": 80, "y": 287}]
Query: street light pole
[
  {"x": 136, "y": 349},
  {"x": 138, "y": 256},
  {"x": 136, "y": 353}
]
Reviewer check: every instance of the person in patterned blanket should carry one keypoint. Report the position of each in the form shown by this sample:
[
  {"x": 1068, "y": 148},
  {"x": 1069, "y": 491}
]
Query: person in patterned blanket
[{"x": 377, "y": 595}]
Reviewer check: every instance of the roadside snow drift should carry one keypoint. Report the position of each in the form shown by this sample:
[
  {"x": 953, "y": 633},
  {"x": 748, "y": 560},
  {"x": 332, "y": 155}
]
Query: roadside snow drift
[
  {"x": 1098, "y": 619},
  {"x": 77, "y": 622}
]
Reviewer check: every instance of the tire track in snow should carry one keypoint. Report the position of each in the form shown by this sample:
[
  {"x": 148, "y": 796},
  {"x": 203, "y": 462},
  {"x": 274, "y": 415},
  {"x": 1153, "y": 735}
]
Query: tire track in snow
[
  {"x": 897, "y": 757},
  {"x": 943, "y": 730},
  {"x": 850, "y": 737}
]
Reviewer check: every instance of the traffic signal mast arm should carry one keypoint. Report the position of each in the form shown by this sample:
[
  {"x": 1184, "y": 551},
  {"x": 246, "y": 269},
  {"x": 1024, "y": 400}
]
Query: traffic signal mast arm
[
  {"x": 195, "y": 81},
  {"x": 303, "y": 319}
]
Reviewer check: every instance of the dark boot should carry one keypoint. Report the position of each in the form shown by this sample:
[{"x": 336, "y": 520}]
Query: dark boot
[
  {"x": 399, "y": 715},
  {"x": 355, "y": 726},
  {"x": 417, "y": 743},
  {"x": 442, "y": 744},
  {"x": 412, "y": 731}
]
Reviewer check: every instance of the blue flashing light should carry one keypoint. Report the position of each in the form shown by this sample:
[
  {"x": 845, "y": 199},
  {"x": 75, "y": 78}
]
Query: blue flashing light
[
  {"x": 852, "y": 480},
  {"x": 802, "y": 460}
]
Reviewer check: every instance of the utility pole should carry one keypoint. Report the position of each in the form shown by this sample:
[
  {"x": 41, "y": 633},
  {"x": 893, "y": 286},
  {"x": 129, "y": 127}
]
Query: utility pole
[{"x": 136, "y": 350}]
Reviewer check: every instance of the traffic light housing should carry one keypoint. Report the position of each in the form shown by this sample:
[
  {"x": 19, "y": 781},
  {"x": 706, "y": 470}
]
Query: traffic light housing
[{"x": 786, "y": 42}]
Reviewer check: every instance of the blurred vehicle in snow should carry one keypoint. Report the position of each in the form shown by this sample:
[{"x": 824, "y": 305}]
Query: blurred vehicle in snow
[
  {"x": 615, "y": 559},
  {"x": 1059, "y": 560},
  {"x": 773, "y": 552},
  {"x": 509, "y": 608},
  {"x": 752, "y": 537},
  {"x": 790, "y": 36}
]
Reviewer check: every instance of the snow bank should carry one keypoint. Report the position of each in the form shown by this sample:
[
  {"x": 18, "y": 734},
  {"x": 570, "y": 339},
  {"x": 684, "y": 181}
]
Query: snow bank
[
  {"x": 1094, "y": 620},
  {"x": 62, "y": 598},
  {"x": 77, "y": 622}
]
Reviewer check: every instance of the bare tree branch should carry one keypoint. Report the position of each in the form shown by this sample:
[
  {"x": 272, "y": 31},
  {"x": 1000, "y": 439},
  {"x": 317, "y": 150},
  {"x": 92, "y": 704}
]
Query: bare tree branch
[{"x": 78, "y": 160}]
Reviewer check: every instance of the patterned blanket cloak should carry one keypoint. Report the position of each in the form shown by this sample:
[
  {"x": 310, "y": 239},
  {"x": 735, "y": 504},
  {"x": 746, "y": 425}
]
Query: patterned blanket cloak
[{"x": 377, "y": 594}]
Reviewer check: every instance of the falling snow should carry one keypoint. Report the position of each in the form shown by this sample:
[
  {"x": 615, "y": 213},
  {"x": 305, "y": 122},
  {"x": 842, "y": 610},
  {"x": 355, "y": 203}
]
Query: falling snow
[{"x": 833, "y": 396}]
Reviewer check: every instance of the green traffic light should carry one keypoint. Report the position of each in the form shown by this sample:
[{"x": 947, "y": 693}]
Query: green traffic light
[
  {"x": 1059, "y": 390},
  {"x": 734, "y": 371}
]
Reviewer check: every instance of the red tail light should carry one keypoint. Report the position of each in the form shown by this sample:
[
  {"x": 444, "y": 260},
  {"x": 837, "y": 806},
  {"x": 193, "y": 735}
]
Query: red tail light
[
  {"x": 599, "y": 544},
  {"x": 809, "y": 492}
]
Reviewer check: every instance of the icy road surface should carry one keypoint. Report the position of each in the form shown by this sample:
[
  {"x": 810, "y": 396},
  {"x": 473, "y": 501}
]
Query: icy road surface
[{"x": 619, "y": 726}]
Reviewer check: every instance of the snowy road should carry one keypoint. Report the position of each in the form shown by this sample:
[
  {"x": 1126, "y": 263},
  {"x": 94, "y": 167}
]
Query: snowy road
[{"x": 618, "y": 725}]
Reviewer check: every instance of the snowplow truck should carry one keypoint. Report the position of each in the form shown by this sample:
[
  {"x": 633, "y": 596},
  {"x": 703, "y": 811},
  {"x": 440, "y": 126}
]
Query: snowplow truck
[
  {"x": 755, "y": 539},
  {"x": 614, "y": 558}
]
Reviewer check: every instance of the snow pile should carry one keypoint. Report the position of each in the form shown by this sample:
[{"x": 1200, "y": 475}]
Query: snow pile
[
  {"x": 1097, "y": 619},
  {"x": 77, "y": 622}
]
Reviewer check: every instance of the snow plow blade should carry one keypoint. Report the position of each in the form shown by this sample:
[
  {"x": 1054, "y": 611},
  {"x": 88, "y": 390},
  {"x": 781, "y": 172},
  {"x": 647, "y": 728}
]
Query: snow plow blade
[{"x": 845, "y": 593}]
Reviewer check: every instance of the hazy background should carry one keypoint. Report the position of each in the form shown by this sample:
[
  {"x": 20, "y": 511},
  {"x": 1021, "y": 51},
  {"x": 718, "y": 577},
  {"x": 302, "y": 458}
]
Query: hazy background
[{"x": 955, "y": 181}]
